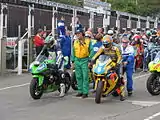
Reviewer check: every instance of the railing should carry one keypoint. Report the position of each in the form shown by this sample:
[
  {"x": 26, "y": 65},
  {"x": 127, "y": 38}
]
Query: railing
[
  {"x": 16, "y": 46},
  {"x": 20, "y": 42}
]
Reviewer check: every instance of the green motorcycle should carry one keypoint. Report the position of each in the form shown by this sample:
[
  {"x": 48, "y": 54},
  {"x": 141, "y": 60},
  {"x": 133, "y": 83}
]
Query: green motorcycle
[{"x": 48, "y": 74}]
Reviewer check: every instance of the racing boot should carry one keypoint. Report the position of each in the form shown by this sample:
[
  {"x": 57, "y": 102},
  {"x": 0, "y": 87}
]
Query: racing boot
[
  {"x": 62, "y": 90},
  {"x": 122, "y": 94}
]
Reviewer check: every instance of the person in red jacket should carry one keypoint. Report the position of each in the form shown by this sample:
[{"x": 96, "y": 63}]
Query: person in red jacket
[{"x": 39, "y": 41}]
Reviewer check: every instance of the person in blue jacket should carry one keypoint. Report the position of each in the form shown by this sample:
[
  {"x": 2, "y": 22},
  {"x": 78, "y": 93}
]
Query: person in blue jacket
[
  {"x": 98, "y": 43},
  {"x": 61, "y": 28},
  {"x": 79, "y": 25},
  {"x": 65, "y": 44},
  {"x": 128, "y": 63}
]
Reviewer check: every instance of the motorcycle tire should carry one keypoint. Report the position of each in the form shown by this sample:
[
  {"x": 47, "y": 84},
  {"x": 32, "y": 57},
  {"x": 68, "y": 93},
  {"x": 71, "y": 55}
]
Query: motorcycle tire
[
  {"x": 99, "y": 91},
  {"x": 33, "y": 89},
  {"x": 150, "y": 85},
  {"x": 67, "y": 82},
  {"x": 115, "y": 94},
  {"x": 74, "y": 81}
]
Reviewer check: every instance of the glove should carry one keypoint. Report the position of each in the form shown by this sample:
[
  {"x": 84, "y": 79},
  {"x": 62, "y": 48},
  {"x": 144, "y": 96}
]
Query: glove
[
  {"x": 91, "y": 62},
  {"x": 117, "y": 67},
  {"x": 125, "y": 63}
]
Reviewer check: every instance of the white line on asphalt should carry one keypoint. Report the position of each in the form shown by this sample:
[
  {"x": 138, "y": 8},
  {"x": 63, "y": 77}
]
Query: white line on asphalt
[
  {"x": 141, "y": 76},
  {"x": 14, "y": 86},
  {"x": 153, "y": 116},
  {"x": 21, "y": 85}
]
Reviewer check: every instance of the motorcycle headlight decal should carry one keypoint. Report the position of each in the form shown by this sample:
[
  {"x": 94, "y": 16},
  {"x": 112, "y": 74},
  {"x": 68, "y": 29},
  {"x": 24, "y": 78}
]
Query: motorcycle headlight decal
[
  {"x": 41, "y": 67},
  {"x": 99, "y": 69}
]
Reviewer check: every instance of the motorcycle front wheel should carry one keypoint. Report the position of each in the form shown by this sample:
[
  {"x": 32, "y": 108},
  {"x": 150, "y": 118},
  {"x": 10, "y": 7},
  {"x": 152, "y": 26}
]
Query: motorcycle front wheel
[
  {"x": 153, "y": 84},
  {"x": 99, "y": 91},
  {"x": 35, "y": 91}
]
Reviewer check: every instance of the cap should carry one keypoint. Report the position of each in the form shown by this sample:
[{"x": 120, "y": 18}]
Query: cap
[
  {"x": 110, "y": 32},
  {"x": 79, "y": 31}
]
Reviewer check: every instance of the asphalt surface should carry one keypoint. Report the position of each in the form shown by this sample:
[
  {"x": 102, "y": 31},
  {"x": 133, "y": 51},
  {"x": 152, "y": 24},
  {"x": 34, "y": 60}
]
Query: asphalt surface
[{"x": 16, "y": 103}]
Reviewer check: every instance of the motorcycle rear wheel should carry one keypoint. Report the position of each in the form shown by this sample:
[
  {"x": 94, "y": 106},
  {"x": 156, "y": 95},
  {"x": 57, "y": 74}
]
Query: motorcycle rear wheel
[
  {"x": 152, "y": 84},
  {"x": 35, "y": 91},
  {"x": 99, "y": 91},
  {"x": 67, "y": 82}
]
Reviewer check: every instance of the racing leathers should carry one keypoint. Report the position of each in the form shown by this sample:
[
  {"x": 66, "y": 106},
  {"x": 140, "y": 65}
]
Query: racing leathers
[
  {"x": 113, "y": 52},
  {"x": 116, "y": 57}
]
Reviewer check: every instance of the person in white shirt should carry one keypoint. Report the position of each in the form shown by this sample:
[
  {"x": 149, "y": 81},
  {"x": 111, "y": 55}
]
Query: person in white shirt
[{"x": 128, "y": 62}]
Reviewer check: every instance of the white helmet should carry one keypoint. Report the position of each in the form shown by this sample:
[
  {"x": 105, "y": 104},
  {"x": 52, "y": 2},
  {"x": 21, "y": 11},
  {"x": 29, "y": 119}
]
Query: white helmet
[
  {"x": 110, "y": 32},
  {"x": 138, "y": 32}
]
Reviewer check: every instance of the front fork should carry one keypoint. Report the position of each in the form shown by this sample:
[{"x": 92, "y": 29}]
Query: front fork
[{"x": 40, "y": 79}]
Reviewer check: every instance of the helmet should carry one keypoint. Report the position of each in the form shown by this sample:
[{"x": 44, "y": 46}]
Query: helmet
[
  {"x": 88, "y": 34},
  {"x": 49, "y": 41},
  {"x": 107, "y": 41},
  {"x": 110, "y": 32},
  {"x": 148, "y": 33},
  {"x": 137, "y": 37},
  {"x": 154, "y": 32},
  {"x": 79, "y": 31},
  {"x": 133, "y": 30}
]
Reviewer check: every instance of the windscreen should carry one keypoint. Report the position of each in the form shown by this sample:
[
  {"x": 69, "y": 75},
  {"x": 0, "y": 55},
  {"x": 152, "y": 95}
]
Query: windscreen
[
  {"x": 41, "y": 58},
  {"x": 103, "y": 58},
  {"x": 158, "y": 55}
]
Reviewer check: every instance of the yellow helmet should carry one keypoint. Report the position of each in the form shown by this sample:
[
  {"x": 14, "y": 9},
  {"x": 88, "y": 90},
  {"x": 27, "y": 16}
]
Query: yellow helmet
[
  {"x": 88, "y": 34},
  {"x": 107, "y": 41}
]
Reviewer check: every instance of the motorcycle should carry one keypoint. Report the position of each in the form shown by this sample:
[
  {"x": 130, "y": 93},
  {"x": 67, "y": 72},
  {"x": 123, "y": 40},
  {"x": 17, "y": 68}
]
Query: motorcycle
[
  {"x": 106, "y": 79},
  {"x": 47, "y": 75},
  {"x": 153, "y": 82}
]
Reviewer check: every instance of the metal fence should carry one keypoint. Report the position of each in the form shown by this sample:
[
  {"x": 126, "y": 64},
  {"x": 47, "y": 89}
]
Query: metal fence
[{"x": 17, "y": 15}]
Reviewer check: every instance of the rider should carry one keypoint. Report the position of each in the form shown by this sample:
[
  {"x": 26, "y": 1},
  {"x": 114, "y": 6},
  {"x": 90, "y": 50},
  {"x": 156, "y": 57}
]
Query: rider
[
  {"x": 128, "y": 62},
  {"x": 113, "y": 52},
  {"x": 50, "y": 51}
]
